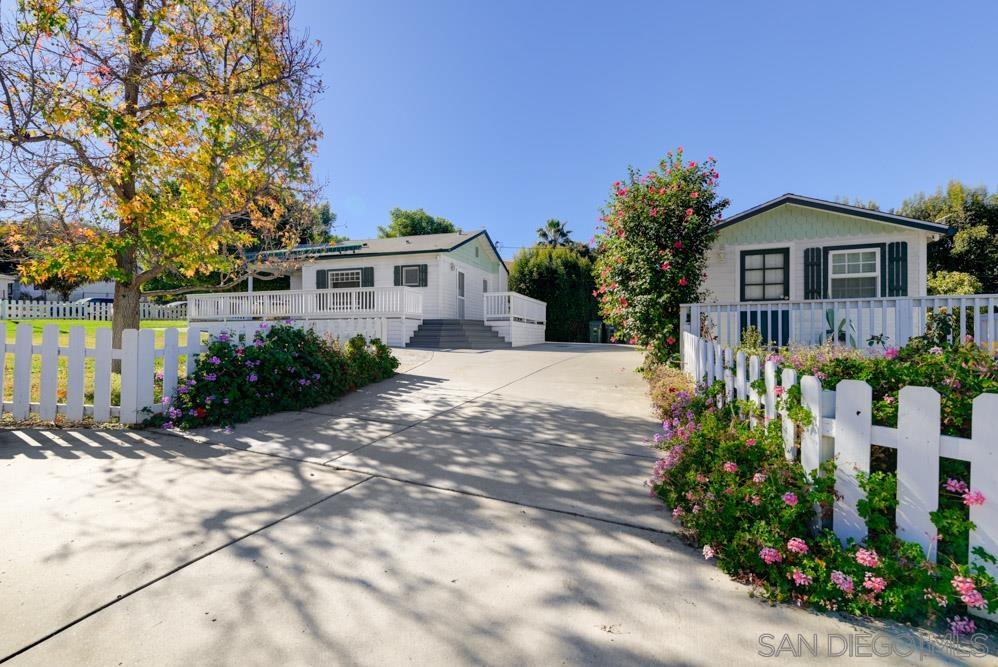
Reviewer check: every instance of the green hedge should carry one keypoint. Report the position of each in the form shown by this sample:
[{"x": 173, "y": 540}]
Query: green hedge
[{"x": 563, "y": 279}]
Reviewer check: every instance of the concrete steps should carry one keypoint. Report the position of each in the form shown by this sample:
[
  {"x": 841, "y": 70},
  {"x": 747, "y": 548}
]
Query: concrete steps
[{"x": 457, "y": 334}]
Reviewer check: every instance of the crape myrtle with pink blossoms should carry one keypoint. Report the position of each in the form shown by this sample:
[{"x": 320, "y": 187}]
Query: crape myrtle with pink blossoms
[
  {"x": 740, "y": 500},
  {"x": 652, "y": 251},
  {"x": 277, "y": 368}
]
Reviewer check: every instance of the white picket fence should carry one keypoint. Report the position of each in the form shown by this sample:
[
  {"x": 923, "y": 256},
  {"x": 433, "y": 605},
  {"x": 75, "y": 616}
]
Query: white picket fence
[
  {"x": 99, "y": 312},
  {"x": 39, "y": 364},
  {"x": 842, "y": 429}
]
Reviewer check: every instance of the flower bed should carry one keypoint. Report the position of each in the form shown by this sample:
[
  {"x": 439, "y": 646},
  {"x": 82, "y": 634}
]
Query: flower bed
[
  {"x": 281, "y": 368},
  {"x": 737, "y": 497}
]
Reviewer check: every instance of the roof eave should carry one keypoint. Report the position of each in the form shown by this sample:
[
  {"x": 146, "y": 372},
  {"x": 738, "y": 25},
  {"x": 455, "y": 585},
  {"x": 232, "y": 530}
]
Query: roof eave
[{"x": 834, "y": 207}]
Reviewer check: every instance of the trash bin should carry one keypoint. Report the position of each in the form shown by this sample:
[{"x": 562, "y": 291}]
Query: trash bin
[{"x": 596, "y": 331}]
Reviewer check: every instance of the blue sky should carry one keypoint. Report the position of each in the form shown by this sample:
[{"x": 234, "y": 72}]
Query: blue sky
[{"x": 504, "y": 114}]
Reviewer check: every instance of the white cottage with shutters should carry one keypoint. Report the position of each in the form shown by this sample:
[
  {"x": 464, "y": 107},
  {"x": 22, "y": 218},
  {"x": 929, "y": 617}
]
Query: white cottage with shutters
[
  {"x": 796, "y": 268},
  {"x": 388, "y": 288}
]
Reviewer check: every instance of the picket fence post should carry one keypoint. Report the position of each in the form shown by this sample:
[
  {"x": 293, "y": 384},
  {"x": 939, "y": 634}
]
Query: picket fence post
[
  {"x": 853, "y": 428},
  {"x": 769, "y": 401},
  {"x": 788, "y": 378},
  {"x": 129, "y": 365},
  {"x": 983, "y": 464},
  {"x": 22, "y": 370},
  {"x": 48, "y": 382},
  {"x": 740, "y": 384},
  {"x": 75, "y": 373},
  {"x": 918, "y": 466}
]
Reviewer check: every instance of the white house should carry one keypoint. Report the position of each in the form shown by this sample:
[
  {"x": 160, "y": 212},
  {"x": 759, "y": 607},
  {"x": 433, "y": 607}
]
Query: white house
[
  {"x": 801, "y": 269},
  {"x": 391, "y": 287},
  {"x": 450, "y": 271}
]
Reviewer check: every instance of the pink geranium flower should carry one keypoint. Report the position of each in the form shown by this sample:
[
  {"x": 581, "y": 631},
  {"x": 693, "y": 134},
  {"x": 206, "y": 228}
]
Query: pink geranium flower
[
  {"x": 842, "y": 581},
  {"x": 797, "y": 545},
  {"x": 956, "y": 486},
  {"x": 875, "y": 584},
  {"x": 790, "y": 498},
  {"x": 867, "y": 557},
  {"x": 708, "y": 552},
  {"x": 730, "y": 466},
  {"x": 800, "y": 579},
  {"x": 769, "y": 555},
  {"x": 973, "y": 498}
]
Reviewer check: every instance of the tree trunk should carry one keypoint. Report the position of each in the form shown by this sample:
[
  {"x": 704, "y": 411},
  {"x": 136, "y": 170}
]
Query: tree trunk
[
  {"x": 126, "y": 310},
  {"x": 126, "y": 314}
]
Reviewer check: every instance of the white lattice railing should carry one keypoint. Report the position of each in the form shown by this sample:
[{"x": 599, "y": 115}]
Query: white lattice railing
[{"x": 307, "y": 304}]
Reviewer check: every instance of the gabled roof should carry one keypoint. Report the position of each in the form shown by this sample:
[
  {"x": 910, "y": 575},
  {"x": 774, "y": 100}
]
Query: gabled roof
[
  {"x": 835, "y": 207},
  {"x": 399, "y": 245}
]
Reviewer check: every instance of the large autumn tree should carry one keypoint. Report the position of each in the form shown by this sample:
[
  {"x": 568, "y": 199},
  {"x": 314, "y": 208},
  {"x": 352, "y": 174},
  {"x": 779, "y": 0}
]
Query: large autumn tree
[
  {"x": 161, "y": 136},
  {"x": 652, "y": 252}
]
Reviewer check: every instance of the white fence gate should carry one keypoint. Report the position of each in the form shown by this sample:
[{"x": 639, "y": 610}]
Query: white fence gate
[{"x": 843, "y": 429}]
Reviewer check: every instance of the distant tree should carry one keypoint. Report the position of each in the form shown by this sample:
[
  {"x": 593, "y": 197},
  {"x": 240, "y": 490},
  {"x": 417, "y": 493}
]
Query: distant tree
[
  {"x": 953, "y": 282},
  {"x": 64, "y": 286},
  {"x": 554, "y": 233},
  {"x": 563, "y": 279},
  {"x": 859, "y": 203},
  {"x": 973, "y": 213},
  {"x": 414, "y": 222}
]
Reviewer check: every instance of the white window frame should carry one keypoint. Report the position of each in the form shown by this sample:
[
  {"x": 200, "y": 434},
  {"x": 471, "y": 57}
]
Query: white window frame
[
  {"x": 407, "y": 268},
  {"x": 334, "y": 276},
  {"x": 866, "y": 274}
]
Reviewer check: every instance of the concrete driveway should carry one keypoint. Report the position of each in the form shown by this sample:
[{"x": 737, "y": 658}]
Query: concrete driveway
[{"x": 480, "y": 508}]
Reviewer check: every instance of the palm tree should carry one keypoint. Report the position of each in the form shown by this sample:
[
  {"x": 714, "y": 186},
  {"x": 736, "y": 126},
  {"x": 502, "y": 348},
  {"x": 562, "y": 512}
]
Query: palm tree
[{"x": 554, "y": 234}]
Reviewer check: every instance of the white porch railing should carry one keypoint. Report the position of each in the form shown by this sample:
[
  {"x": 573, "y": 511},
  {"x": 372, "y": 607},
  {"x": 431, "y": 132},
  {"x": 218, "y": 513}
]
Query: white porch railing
[
  {"x": 519, "y": 319},
  {"x": 307, "y": 304},
  {"x": 515, "y": 307},
  {"x": 850, "y": 322}
]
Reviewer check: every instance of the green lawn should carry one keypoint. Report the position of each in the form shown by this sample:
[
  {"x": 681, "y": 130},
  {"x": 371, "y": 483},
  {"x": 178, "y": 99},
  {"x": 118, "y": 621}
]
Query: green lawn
[{"x": 90, "y": 326}]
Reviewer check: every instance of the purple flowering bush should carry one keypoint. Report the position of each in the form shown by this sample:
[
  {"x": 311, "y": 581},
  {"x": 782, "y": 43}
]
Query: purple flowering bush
[
  {"x": 278, "y": 368},
  {"x": 744, "y": 504}
]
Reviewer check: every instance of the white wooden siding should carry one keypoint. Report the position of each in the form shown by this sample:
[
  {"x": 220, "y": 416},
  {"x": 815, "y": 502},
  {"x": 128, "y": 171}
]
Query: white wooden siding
[{"x": 723, "y": 280}]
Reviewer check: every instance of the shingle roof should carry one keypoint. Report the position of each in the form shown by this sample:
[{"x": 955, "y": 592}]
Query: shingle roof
[
  {"x": 835, "y": 207},
  {"x": 400, "y": 245}
]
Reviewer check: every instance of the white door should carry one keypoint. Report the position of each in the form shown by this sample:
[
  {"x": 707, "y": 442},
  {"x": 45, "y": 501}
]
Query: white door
[{"x": 460, "y": 295}]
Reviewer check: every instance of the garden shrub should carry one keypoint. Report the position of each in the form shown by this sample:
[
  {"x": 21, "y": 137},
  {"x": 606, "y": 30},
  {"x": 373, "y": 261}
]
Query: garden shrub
[
  {"x": 652, "y": 253},
  {"x": 737, "y": 497},
  {"x": 278, "y": 368},
  {"x": 667, "y": 385}
]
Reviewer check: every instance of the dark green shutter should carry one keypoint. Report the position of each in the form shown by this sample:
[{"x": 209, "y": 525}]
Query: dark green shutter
[
  {"x": 897, "y": 268},
  {"x": 422, "y": 275},
  {"x": 367, "y": 276},
  {"x": 398, "y": 276},
  {"x": 321, "y": 280},
  {"x": 812, "y": 273}
]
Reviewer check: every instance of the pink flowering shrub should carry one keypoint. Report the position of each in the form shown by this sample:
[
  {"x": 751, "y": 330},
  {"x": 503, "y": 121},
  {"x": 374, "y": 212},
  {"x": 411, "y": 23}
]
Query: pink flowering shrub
[
  {"x": 278, "y": 368},
  {"x": 755, "y": 512},
  {"x": 652, "y": 250}
]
